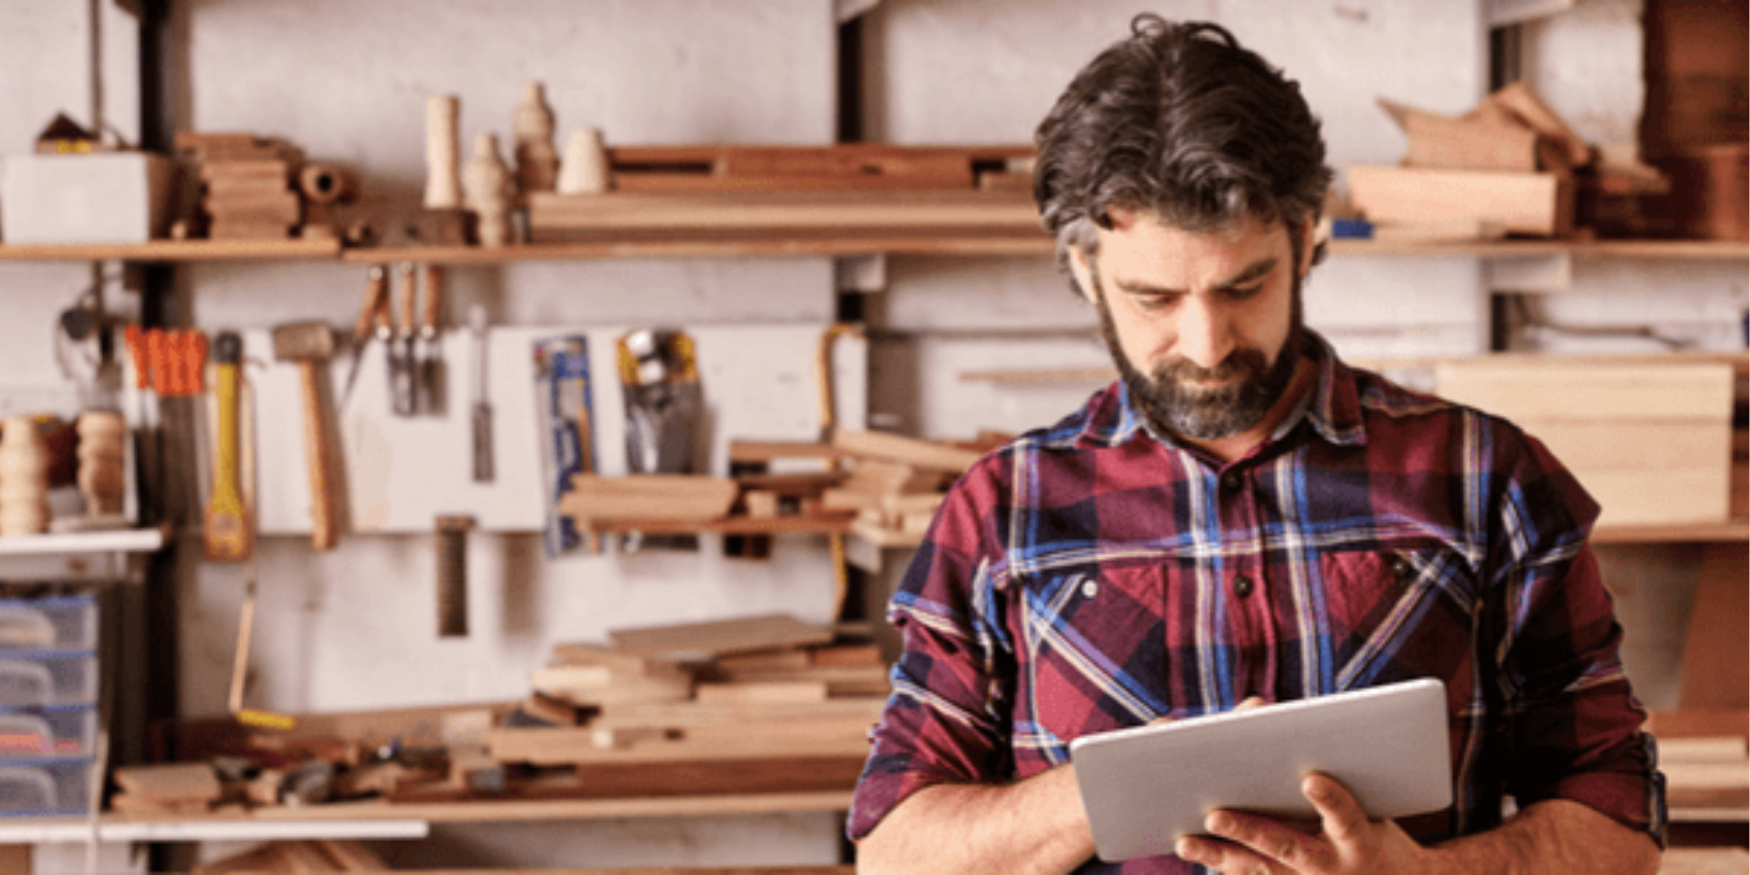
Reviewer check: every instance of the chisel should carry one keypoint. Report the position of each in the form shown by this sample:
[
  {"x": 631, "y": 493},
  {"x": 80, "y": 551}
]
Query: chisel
[
  {"x": 227, "y": 529},
  {"x": 482, "y": 409}
]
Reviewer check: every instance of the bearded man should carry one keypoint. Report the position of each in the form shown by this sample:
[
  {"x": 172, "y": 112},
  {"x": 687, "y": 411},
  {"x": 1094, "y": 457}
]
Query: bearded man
[{"x": 1242, "y": 516}]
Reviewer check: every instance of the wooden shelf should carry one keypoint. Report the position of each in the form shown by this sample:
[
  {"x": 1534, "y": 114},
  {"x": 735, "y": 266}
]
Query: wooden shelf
[
  {"x": 178, "y": 250},
  {"x": 836, "y": 524},
  {"x": 1706, "y": 250},
  {"x": 62, "y": 544},
  {"x": 803, "y": 242},
  {"x": 385, "y": 820},
  {"x": 1729, "y": 532}
]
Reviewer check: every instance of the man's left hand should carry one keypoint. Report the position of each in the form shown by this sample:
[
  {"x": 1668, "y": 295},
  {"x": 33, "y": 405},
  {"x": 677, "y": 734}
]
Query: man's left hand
[{"x": 1346, "y": 841}]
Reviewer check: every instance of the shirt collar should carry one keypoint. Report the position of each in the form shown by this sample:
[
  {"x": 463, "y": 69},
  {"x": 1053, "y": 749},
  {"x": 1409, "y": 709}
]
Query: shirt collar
[{"x": 1332, "y": 408}]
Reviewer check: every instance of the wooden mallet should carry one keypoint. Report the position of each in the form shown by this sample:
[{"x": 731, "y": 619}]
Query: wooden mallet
[{"x": 309, "y": 343}]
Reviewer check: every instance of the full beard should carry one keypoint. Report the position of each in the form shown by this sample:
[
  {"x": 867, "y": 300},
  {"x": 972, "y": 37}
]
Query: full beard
[{"x": 1172, "y": 399}]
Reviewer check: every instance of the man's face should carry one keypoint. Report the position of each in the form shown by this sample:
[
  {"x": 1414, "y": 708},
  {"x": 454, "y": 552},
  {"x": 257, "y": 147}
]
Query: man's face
[{"x": 1198, "y": 323}]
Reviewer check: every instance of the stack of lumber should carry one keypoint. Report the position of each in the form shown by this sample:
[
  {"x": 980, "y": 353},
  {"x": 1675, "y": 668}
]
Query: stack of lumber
[
  {"x": 896, "y": 483},
  {"x": 318, "y": 855},
  {"x": 797, "y": 190},
  {"x": 248, "y": 184},
  {"x": 1650, "y": 437},
  {"x": 1509, "y": 166},
  {"x": 1705, "y": 755},
  {"x": 759, "y": 689}
]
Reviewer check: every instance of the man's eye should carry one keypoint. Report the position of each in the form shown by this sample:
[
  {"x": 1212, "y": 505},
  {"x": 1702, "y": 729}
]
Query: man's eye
[
  {"x": 1240, "y": 293},
  {"x": 1154, "y": 302}
]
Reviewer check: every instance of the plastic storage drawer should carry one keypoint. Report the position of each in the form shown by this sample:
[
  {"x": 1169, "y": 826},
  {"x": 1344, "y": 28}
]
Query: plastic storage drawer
[
  {"x": 45, "y": 787},
  {"x": 57, "y": 731},
  {"x": 63, "y": 623},
  {"x": 35, "y": 680}
]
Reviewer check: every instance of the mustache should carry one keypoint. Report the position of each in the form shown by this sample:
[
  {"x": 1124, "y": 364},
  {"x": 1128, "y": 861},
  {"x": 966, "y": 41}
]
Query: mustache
[{"x": 1241, "y": 362}]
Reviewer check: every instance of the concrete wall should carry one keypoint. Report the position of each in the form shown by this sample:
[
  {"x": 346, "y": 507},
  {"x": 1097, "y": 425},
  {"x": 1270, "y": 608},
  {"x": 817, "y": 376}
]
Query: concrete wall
[{"x": 346, "y": 80}]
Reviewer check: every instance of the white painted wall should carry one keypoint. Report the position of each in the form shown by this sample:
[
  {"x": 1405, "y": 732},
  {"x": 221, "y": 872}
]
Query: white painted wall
[{"x": 346, "y": 81}]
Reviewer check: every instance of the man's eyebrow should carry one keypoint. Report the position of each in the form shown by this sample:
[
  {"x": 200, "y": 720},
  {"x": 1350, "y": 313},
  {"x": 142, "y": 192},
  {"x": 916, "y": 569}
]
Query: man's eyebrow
[{"x": 1255, "y": 271}]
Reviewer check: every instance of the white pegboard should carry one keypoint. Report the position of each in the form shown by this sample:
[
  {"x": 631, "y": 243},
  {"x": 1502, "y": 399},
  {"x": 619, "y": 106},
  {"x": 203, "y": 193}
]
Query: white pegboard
[{"x": 397, "y": 474}]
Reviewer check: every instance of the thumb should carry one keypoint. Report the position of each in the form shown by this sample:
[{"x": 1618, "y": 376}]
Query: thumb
[
  {"x": 1340, "y": 815},
  {"x": 1250, "y": 702}
]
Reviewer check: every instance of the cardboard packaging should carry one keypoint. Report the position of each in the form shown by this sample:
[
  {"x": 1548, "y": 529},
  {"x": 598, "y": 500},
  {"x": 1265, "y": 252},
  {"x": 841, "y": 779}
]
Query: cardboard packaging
[
  {"x": 1650, "y": 439},
  {"x": 108, "y": 197}
]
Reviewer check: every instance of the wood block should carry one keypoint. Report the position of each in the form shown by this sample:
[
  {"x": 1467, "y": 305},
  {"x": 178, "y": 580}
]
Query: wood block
[
  {"x": 1537, "y": 204},
  {"x": 1705, "y": 749},
  {"x": 928, "y": 455},
  {"x": 226, "y": 187},
  {"x": 571, "y": 677},
  {"x": 792, "y": 659},
  {"x": 275, "y": 208},
  {"x": 721, "y": 637},
  {"x": 1704, "y": 861},
  {"x": 761, "y": 503},
  {"x": 1524, "y": 103},
  {"x": 577, "y": 746},
  {"x": 170, "y": 781},
  {"x": 258, "y": 169},
  {"x": 741, "y": 451},
  {"x": 678, "y": 497},
  {"x": 684, "y": 714},
  {"x": 619, "y": 662},
  {"x": 1444, "y": 142},
  {"x": 622, "y": 690}
]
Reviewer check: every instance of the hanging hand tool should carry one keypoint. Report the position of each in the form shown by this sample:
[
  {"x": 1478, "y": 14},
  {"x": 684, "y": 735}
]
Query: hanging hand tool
[
  {"x": 308, "y": 344},
  {"x": 430, "y": 379},
  {"x": 451, "y": 540},
  {"x": 194, "y": 382},
  {"x": 147, "y": 464},
  {"x": 482, "y": 411},
  {"x": 373, "y": 320},
  {"x": 227, "y": 526},
  {"x": 402, "y": 365}
]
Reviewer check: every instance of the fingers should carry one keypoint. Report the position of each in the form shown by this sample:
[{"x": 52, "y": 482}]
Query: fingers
[
  {"x": 1251, "y": 842},
  {"x": 1250, "y": 702}
]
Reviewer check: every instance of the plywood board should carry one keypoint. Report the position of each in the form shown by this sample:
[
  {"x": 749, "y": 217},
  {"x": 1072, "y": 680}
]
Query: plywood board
[
  {"x": 720, "y": 637},
  {"x": 399, "y": 473},
  {"x": 170, "y": 782}
]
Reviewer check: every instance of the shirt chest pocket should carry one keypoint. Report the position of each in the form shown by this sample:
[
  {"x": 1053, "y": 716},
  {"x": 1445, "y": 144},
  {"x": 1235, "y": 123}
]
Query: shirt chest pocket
[
  {"x": 1095, "y": 648},
  {"x": 1396, "y": 608}
]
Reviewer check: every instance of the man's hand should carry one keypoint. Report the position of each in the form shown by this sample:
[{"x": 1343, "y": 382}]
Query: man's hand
[{"x": 1346, "y": 841}]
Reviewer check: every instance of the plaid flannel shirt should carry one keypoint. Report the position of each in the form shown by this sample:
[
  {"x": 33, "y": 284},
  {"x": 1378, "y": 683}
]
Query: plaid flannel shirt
[{"x": 1098, "y": 575}]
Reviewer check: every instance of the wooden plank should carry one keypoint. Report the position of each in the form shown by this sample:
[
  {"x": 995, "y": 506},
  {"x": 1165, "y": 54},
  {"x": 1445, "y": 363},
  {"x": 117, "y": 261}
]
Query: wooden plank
[
  {"x": 696, "y": 713},
  {"x": 721, "y": 637},
  {"x": 677, "y": 497},
  {"x": 770, "y": 451},
  {"x": 170, "y": 781},
  {"x": 929, "y": 455},
  {"x": 1554, "y": 388},
  {"x": 351, "y": 856},
  {"x": 761, "y": 692},
  {"x": 1704, "y": 861},
  {"x": 1705, "y": 749},
  {"x": 1525, "y": 105},
  {"x": 1539, "y": 204},
  {"x": 560, "y": 746},
  {"x": 781, "y": 211},
  {"x": 1715, "y": 672},
  {"x": 1699, "y": 723}
]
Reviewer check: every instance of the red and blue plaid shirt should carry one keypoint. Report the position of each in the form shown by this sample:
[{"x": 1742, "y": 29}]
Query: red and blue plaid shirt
[{"x": 1098, "y": 575}]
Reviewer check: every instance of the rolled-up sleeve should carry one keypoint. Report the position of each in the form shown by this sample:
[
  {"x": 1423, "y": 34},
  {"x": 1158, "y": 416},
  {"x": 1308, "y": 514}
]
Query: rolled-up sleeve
[
  {"x": 944, "y": 719},
  {"x": 1574, "y": 725}
]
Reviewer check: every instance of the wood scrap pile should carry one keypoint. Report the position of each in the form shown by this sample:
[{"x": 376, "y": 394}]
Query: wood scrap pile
[
  {"x": 1705, "y": 755},
  {"x": 1510, "y": 166},
  {"x": 255, "y": 188},
  {"x": 768, "y": 689},
  {"x": 318, "y": 855},
  {"x": 726, "y": 189},
  {"x": 886, "y": 486}
]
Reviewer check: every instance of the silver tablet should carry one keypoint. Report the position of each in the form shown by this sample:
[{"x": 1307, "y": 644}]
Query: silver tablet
[{"x": 1145, "y": 786}]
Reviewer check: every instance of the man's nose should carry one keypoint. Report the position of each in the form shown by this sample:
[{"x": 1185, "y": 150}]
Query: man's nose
[{"x": 1205, "y": 334}]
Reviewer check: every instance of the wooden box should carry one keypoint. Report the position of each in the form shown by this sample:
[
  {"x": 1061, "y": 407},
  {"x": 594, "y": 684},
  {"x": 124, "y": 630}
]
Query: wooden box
[
  {"x": 1650, "y": 440},
  {"x": 1537, "y": 204}
]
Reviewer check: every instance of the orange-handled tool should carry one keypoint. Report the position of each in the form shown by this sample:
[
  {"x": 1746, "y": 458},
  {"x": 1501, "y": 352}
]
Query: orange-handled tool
[{"x": 227, "y": 529}]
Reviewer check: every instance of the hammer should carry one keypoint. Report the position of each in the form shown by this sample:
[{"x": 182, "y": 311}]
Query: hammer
[{"x": 308, "y": 343}]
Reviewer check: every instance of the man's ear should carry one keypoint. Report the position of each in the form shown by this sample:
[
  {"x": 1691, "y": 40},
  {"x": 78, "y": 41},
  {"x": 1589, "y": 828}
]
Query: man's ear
[
  {"x": 1083, "y": 272},
  {"x": 1309, "y": 244}
]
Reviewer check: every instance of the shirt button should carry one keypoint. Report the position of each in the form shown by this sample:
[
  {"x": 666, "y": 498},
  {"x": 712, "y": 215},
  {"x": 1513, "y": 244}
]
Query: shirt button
[
  {"x": 1400, "y": 567},
  {"x": 1090, "y": 589},
  {"x": 1232, "y": 481},
  {"x": 1242, "y": 586}
]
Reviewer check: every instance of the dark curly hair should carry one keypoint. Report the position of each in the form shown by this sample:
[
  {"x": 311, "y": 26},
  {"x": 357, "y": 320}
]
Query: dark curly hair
[{"x": 1179, "y": 120}]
